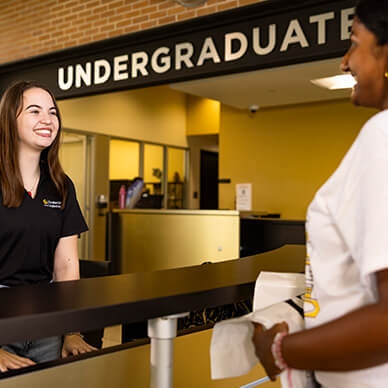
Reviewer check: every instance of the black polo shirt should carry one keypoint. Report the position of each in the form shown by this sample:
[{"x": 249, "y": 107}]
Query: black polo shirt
[{"x": 30, "y": 233}]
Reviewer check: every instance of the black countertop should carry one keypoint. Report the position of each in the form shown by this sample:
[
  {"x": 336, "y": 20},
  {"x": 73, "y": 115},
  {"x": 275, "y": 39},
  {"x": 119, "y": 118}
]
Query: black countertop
[{"x": 30, "y": 312}]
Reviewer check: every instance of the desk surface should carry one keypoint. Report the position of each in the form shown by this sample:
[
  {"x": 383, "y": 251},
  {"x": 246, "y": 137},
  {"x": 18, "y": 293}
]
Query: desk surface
[
  {"x": 179, "y": 212},
  {"x": 30, "y": 312}
]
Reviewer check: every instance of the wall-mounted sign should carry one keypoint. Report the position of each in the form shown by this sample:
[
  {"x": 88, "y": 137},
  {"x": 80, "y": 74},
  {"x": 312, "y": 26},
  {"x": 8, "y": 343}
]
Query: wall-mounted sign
[
  {"x": 244, "y": 196},
  {"x": 268, "y": 34}
]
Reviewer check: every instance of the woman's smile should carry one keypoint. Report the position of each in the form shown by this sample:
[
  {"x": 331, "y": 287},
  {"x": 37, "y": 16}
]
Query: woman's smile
[{"x": 43, "y": 132}]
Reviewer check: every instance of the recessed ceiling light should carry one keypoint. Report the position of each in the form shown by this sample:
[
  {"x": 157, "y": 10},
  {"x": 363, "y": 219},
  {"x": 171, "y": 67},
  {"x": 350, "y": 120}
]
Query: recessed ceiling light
[{"x": 344, "y": 81}]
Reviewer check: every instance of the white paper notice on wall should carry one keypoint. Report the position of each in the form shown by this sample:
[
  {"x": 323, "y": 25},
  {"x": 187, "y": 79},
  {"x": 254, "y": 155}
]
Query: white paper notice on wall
[{"x": 244, "y": 196}]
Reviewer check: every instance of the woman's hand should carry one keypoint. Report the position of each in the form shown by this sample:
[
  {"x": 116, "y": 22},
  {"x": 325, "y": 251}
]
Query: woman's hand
[
  {"x": 263, "y": 339},
  {"x": 12, "y": 361},
  {"x": 73, "y": 345}
]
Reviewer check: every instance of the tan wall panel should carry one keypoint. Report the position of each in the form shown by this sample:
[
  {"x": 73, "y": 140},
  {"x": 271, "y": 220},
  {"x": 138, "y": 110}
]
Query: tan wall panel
[
  {"x": 130, "y": 368},
  {"x": 170, "y": 239},
  {"x": 287, "y": 153},
  {"x": 203, "y": 116},
  {"x": 155, "y": 114}
]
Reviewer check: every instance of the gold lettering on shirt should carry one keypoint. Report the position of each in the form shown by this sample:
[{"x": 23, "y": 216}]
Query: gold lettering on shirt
[{"x": 311, "y": 305}]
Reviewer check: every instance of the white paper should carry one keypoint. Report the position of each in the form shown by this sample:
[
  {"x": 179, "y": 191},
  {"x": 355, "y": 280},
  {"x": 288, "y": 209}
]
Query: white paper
[
  {"x": 276, "y": 287},
  {"x": 244, "y": 196},
  {"x": 232, "y": 352}
]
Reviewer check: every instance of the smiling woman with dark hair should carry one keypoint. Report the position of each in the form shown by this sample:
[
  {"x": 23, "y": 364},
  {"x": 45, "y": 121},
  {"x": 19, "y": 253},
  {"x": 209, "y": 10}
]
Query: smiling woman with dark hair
[
  {"x": 346, "y": 299},
  {"x": 39, "y": 212}
]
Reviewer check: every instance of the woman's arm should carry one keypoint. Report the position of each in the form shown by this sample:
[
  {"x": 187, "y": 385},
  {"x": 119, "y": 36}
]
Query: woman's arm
[
  {"x": 357, "y": 340},
  {"x": 66, "y": 267}
]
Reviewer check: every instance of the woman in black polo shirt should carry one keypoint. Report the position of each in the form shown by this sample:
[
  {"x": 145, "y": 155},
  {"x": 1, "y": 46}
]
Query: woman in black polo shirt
[{"x": 39, "y": 213}]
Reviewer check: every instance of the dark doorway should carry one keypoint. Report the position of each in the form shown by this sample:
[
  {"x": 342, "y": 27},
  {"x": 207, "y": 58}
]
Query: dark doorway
[{"x": 208, "y": 198}]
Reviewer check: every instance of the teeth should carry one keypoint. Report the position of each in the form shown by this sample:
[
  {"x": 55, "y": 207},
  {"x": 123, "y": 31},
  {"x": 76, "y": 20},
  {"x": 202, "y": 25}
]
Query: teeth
[{"x": 43, "y": 131}]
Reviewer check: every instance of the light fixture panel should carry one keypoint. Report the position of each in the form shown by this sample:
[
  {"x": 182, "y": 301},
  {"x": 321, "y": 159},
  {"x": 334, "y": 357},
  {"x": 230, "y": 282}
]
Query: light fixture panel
[{"x": 343, "y": 81}]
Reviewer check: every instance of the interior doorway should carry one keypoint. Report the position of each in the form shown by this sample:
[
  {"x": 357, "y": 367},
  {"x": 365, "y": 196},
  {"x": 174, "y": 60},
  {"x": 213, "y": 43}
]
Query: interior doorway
[
  {"x": 208, "y": 198},
  {"x": 74, "y": 157}
]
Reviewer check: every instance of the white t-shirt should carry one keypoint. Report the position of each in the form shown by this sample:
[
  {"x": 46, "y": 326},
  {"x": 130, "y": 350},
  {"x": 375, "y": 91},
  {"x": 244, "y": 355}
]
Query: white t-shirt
[{"x": 347, "y": 242}]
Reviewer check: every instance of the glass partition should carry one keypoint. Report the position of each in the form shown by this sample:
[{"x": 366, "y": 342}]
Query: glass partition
[
  {"x": 176, "y": 177},
  {"x": 153, "y": 168},
  {"x": 123, "y": 159},
  {"x": 130, "y": 159}
]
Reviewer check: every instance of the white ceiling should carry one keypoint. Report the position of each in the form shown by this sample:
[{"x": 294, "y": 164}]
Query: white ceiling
[{"x": 270, "y": 87}]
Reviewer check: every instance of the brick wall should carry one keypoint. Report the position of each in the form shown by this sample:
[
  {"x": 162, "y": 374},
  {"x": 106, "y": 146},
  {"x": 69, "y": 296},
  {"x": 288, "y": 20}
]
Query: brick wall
[{"x": 33, "y": 27}]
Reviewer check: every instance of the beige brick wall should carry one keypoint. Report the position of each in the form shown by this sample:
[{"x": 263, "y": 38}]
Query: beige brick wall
[{"x": 33, "y": 27}]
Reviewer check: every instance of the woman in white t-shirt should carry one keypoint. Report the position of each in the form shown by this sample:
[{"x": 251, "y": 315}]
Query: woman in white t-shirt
[{"x": 346, "y": 299}]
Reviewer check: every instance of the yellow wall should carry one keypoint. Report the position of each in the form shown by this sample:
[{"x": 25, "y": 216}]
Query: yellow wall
[
  {"x": 203, "y": 116},
  {"x": 155, "y": 114},
  {"x": 123, "y": 159},
  {"x": 287, "y": 153}
]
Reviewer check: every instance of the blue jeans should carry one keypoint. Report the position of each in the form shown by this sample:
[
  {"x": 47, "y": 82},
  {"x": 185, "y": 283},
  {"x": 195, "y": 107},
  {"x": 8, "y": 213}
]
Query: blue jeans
[{"x": 41, "y": 350}]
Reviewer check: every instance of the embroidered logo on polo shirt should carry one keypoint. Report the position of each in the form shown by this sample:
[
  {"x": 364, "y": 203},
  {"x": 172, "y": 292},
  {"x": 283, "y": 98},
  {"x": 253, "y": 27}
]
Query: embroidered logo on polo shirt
[{"x": 52, "y": 204}]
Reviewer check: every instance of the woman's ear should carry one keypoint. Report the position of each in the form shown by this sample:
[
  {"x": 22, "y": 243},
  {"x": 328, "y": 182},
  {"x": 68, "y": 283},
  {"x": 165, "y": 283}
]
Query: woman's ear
[{"x": 385, "y": 53}]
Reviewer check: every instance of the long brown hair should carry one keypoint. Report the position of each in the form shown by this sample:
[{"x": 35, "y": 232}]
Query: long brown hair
[{"x": 12, "y": 187}]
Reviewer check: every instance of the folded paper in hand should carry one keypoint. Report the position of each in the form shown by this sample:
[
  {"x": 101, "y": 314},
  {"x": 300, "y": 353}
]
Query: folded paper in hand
[{"x": 232, "y": 352}]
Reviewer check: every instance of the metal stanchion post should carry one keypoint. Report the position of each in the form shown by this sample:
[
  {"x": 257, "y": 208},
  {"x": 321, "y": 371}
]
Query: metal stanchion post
[{"x": 162, "y": 332}]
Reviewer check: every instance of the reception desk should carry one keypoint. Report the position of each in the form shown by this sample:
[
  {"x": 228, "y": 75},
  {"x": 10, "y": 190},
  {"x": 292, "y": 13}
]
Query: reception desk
[
  {"x": 52, "y": 309},
  {"x": 142, "y": 240},
  {"x": 258, "y": 235}
]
